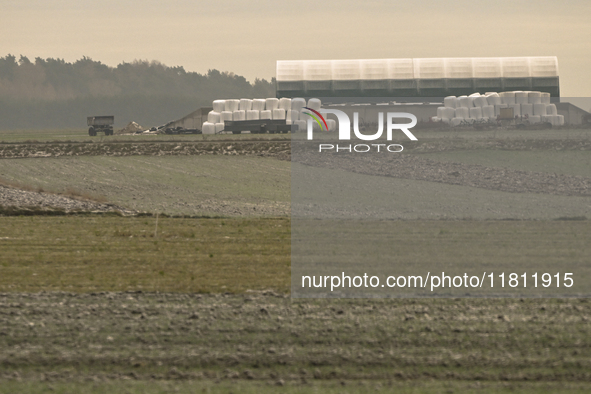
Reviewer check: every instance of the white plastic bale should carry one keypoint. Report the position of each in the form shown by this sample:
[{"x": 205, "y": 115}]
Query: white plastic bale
[
  {"x": 435, "y": 119},
  {"x": 299, "y": 125},
  {"x": 232, "y": 105},
  {"x": 252, "y": 115},
  {"x": 462, "y": 113},
  {"x": 449, "y": 113},
  {"x": 545, "y": 97},
  {"x": 258, "y": 104},
  {"x": 516, "y": 109},
  {"x": 208, "y": 128},
  {"x": 539, "y": 109},
  {"x": 225, "y": 115},
  {"x": 507, "y": 98},
  {"x": 219, "y": 127},
  {"x": 285, "y": 103},
  {"x": 279, "y": 114},
  {"x": 445, "y": 120},
  {"x": 293, "y": 115},
  {"x": 498, "y": 109},
  {"x": 527, "y": 109},
  {"x": 456, "y": 121},
  {"x": 535, "y": 119},
  {"x": 245, "y": 104},
  {"x": 298, "y": 103},
  {"x": 440, "y": 112},
  {"x": 465, "y": 101},
  {"x": 239, "y": 115},
  {"x": 450, "y": 101},
  {"x": 213, "y": 117},
  {"x": 534, "y": 97},
  {"x": 480, "y": 101},
  {"x": 521, "y": 97},
  {"x": 475, "y": 95},
  {"x": 560, "y": 120},
  {"x": 476, "y": 112},
  {"x": 332, "y": 125},
  {"x": 493, "y": 99},
  {"x": 219, "y": 105},
  {"x": 488, "y": 111},
  {"x": 314, "y": 103},
  {"x": 266, "y": 114},
  {"x": 271, "y": 103},
  {"x": 547, "y": 119},
  {"x": 551, "y": 109}
]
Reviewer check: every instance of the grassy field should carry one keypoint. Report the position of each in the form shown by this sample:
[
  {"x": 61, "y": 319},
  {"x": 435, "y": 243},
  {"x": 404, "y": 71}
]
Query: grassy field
[
  {"x": 189, "y": 185},
  {"x": 105, "y": 304},
  {"x": 85, "y": 254}
]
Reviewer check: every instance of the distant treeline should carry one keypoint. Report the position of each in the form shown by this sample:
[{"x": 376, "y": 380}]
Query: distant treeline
[{"x": 51, "y": 93}]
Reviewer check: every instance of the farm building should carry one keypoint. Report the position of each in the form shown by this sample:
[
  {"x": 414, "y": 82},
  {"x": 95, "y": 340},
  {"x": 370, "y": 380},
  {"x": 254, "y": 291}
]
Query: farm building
[{"x": 432, "y": 77}]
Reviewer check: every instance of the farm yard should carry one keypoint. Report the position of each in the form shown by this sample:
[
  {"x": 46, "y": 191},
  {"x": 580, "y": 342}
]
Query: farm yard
[{"x": 181, "y": 284}]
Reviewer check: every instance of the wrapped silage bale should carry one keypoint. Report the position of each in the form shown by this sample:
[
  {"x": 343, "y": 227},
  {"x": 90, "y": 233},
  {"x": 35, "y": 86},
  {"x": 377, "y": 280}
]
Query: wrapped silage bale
[
  {"x": 449, "y": 112},
  {"x": 285, "y": 103},
  {"x": 507, "y": 98},
  {"x": 545, "y": 97},
  {"x": 516, "y": 109},
  {"x": 299, "y": 125},
  {"x": 208, "y": 128},
  {"x": 551, "y": 109},
  {"x": 488, "y": 111},
  {"x": 219, "y": 105},
  {"x": 465, "y": 102},
  {"x": 450, "y": 101},
  {"x": 232, "y": 105},
  {"x": 446, "y": 120},
  {"x": 245, "y": 104},
  {"x": 498, "y": 108},
  {"x": 279, "y": 114},
  {"x": 219, "y": 127},
  {"x": 298, "y": 103},
  {"x": 332, "y": 125},
  {"x": 266, "y": 114},
  {"x": 475, "y": 95},
  {"x": 252, "y": 115},
  {"x": 534, "y": 97},
  {"x": 476, "y": 112},
  {"x": 435, "y": 119},
  {"x": 480, "y": 101},
  {"x": 292, "y": 115},
  {"x": 493, "y": 99},
  {"x": 535, "y": 119},
  {"x": 521, "y": 97},
  {"x": 314, "y": 103},
  {"x": 527, "y": 109},
  {"x": 547, "y": 119},
  {"x": 539, "y": 109},
  {"x": 462, "y": 113},
  {"x": 213, "y": 117},
  {"x": 440, "y": 112},
  {"x": 239, "y": 115},
  {"x": 258, "y": 104},
  {"x": 271, "y": 104},
  {"x": 456, "y": 121},
  {"x": 225, "y": 115},
  {"x": 560, "y": 120}
]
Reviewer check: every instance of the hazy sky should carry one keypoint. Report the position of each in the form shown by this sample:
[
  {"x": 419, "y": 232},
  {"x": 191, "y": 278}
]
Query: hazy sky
[{"x": 248, "y": 37}]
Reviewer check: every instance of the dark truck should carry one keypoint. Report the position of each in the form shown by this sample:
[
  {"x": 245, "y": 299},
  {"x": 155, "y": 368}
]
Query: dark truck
[
  {"x": 260, "y": 126},
  {"x": 100, "y": 124}
]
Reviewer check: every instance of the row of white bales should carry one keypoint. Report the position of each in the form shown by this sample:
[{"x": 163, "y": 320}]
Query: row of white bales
[
  {"x": 271, "y": 108},
  {"x": 533, "y": 106}
]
